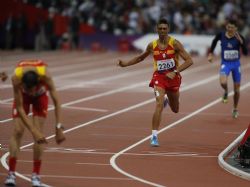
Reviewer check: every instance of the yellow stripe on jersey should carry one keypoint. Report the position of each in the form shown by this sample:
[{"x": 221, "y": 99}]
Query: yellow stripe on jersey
[
  {"x": 19, "y": 72},
  {"x": 41, "y": 70},
  {"x": 154, "y": 44},
  {"x": 171, "y": 41}
]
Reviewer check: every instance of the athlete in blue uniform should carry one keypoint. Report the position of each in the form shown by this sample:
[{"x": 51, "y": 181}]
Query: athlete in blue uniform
[{"x": 231, "y": 42}]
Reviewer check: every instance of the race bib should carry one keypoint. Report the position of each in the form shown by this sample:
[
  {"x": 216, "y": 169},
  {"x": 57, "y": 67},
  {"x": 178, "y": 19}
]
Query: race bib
[
  {"x": 165, "y": 64},
  {"x": 231, "y": 54}
]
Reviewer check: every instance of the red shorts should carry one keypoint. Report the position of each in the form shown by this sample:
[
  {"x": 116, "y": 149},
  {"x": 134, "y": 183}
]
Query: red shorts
[
  {"x": 39, "y": 105},
  {"x": 160, "y": 79}
]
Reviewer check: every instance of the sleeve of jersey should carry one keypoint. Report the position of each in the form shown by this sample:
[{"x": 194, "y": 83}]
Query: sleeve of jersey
[
  {"x": 244, "y": 46},
  {"x": 214, "y": 42}
]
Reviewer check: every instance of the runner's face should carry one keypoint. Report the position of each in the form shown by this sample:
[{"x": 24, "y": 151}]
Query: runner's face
[
  {"x": 162, "y": 29},
  {"x": 231, "y": 29}
]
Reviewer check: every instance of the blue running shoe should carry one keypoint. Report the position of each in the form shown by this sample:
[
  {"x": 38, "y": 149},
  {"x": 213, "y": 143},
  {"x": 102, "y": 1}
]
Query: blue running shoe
[{"x": 154, "y": 141}]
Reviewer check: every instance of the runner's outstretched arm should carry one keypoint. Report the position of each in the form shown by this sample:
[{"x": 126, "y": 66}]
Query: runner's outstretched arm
[{"x": 136, "y": 59}]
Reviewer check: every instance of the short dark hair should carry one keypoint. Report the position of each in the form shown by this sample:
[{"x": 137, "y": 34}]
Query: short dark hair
[
  {"x": 30, "y": 79},
  {"x": 232, "y": 22},
  {"x": 163, "y": 21}
]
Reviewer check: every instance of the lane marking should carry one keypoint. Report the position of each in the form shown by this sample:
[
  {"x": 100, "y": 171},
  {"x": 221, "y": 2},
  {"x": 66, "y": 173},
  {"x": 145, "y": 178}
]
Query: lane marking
[
  {"x": 85, "y": 108},
  {"x": 82, "y": 177},
  {"x": 149, "y": 153},
  {"x": 95, "y": 164},
  {"x": 114, "y": 157}
]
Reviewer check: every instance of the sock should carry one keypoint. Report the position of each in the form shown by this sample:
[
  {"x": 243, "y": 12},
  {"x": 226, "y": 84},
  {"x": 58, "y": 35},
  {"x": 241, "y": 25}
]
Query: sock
[
  {"x": 12, "y": 164},
  {"x": 37, "y": 166},
  {"x": 154, "y": 132}
]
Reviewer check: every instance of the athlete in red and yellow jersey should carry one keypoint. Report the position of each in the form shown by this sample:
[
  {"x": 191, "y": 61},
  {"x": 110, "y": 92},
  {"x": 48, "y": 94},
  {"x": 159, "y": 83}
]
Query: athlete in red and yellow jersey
[
  {"x": 31, "y": 84},
  {"x": 165, "y": 61},
  {"x": 166, "y": 78}
]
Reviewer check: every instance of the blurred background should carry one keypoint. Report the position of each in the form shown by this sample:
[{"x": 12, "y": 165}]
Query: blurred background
[{"x": 101, "y": 25}]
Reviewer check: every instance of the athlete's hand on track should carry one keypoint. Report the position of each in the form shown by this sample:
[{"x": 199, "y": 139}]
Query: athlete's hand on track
[{"x": 60, "y": 137}]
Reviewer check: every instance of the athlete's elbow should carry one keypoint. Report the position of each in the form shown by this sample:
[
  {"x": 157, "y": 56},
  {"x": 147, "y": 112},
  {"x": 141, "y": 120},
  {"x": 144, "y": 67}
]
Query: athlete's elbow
[{"x": 190, "y": 62}]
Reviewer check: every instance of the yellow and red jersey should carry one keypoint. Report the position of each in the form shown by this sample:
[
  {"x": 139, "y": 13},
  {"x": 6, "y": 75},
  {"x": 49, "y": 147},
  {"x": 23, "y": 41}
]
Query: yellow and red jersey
[
  {"x": 40, "y": 67},
  {"x": 165, "y": 59}
]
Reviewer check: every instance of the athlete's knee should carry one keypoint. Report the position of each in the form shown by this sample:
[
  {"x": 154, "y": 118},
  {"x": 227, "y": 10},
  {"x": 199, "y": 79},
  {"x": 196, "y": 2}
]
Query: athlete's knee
[
  {"x": 223, "y": 84},
  {"x": 174, "y": 105},
  {"x": 159, "y": 103},
  {"x": 237, "y": 91},
  {"x": 37, "y": 145},
  {"x": 38, "y": 150},
  {"x": 175, "y": 109},
  {"x": 18, "y": 133},
  {"x": 159, "y": 106}
]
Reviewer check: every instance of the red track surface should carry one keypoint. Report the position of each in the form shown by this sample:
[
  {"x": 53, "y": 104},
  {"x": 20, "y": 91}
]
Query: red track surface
[{"x": 108, "y": 131}]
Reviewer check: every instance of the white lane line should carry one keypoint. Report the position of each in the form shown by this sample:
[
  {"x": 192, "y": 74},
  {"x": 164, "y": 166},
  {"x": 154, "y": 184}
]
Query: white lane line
[
  {"x": 95, "y": 164},
  {"x": 82, "y": 177},
  {"x": 228, "y": 167},
  {"x": 6, "y": 100},
  {"x": 205, "y": 81},
  {"x": 85, "y": 109},
  {"x": 114, "y": 157}
]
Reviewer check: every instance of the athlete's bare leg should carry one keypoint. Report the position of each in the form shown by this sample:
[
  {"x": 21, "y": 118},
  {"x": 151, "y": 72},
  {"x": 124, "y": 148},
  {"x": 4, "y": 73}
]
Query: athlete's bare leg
[
  {"x": 236, "y": 94},
  {"x": 16, "y": 137},
  {"x": 38, "y": 148},
  {"x": 159, "y": 96},
  {"x": 173, "y": 99},
  {"x": 223, "y": 83}
]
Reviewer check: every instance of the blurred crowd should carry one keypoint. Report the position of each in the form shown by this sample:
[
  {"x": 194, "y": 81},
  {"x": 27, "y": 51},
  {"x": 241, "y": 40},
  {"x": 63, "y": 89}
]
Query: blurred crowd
[{"x": 140, "y": 16}]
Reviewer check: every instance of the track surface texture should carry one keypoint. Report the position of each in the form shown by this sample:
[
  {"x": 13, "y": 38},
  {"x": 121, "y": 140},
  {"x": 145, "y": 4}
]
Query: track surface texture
[{"x": 107, "y": 113}]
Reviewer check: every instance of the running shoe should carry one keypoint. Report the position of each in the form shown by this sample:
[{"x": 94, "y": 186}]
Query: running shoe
[
  {"x": 35, "y": 180},
  {"x": 154, "y": 141},
  {"x": 235, "y": 113},
  {"x": 225, "y": 98},
  {"x": 11, "y": 179}
]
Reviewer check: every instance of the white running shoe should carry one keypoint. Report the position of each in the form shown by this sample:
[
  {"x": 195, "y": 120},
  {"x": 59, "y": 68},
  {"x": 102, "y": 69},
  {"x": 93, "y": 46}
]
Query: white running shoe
[
  {"x": 11, "y": 179},
  {"x": 235, "y": 113},
  {"x": 35, "y": 180}
]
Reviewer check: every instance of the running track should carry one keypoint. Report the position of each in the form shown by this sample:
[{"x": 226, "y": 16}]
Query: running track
[{"x": 107, "y": 113}]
